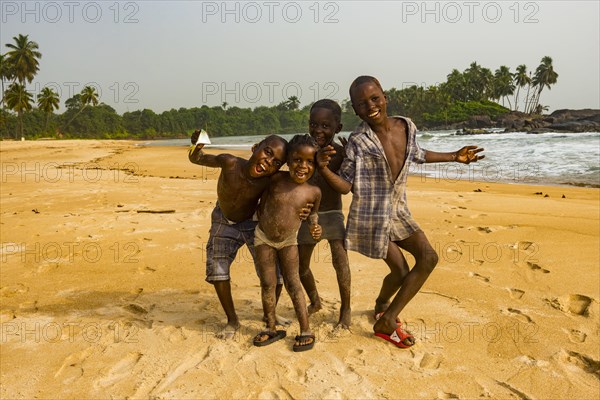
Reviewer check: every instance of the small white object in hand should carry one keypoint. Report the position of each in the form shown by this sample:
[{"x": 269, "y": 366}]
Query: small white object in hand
[{"x": 203, "y": 138}]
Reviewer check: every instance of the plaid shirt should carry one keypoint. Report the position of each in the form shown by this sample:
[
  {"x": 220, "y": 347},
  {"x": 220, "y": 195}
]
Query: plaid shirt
[{"x": 378, "y": 212}]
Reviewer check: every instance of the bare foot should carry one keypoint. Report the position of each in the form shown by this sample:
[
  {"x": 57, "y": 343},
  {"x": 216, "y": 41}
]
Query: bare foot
[
  {"x": 345, "y": 319},
  {"x": 279, "y": 320},
  {"x": 228, "y": 332},
  {"x": 314, "y": 307}
]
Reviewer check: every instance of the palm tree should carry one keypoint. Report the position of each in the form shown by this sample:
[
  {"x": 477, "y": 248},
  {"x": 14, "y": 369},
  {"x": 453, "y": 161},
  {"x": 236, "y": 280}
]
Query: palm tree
[
  {"x": 23, "y": 57},
  {"x": 455, "y": 85},
  {"x": 6, "y": 73},
  {"x": 293, "y": 103},
  {"x": 544, "y": 77},
  {"x": 528, "y": 101},
  {"x": 19, "y": 100},
  {"x": 479, "y": 82},
  {"x": 88, "y": 96},
  {"x": 48, "y": 101},
  {"x": 503, "y": 84},
  {"x": 520, "y": 79}
]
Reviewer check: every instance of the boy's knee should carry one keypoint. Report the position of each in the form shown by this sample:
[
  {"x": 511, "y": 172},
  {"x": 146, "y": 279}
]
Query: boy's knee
[
  {"x": 292, "y": 285},
  {"x": 303, "y": 272},
  {"x": 430, "y": 259},
  {"x": 268, "y": 286}
]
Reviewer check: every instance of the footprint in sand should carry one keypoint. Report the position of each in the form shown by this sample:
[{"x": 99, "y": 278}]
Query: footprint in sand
[
  {"x": 296, "y": 374},
  {"x": 136, "y": 309},
  {"x": 120, "y": 370},
  {"x": 355, "y": 352},
  {"x": 13, "y": 290},
  {"x": 431, "y": 361},
  {"x": 190, "y": 363},
  {"x": 579, "y": 304},
  {"x": 478, "y": 216},
  {"x": 71, "y": 368},
  {"x": 576, "y": 336},
  {"x": 581, "y": 361},
  {"x": 537, "y": 267},
  {"x": 334, "y": 393},
  {"x": 145, "y": 270},
  {"x": 447, "y": 395},
  {"x": 519, "y": 314},
  {"x": 516, "y": 293},
  {"x": 481, "y": 277}
]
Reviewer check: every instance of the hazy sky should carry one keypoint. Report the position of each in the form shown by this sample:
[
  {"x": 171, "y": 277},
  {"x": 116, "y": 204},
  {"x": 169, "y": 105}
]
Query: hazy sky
[{"x": 162, "y": 55}]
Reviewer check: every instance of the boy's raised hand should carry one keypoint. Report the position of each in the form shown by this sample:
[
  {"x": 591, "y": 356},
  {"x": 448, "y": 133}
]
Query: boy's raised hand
[
  {"x": 324, "y": 156},
  {"x": 194, "y": 150},
  {"x": 195, "y": 136},
  {"x": 468, "y": 154}
]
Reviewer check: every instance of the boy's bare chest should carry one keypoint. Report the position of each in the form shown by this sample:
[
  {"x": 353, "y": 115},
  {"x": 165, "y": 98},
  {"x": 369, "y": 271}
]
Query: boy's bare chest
[
  {"x": 235, "y": 184},
  {"x": 291, "y": 194},
  {"x": 394, "y": 147}
]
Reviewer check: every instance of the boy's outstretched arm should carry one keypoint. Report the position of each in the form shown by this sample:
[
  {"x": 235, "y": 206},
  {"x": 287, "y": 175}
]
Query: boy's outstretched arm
[
  {"x": 338, "y": 183},
  {"x": 466, "y": 155},
  {"x": 197, "y": 156}
]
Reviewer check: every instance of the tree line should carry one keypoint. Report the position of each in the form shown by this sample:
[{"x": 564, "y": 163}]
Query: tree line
[{"x": 475, "y": 91}]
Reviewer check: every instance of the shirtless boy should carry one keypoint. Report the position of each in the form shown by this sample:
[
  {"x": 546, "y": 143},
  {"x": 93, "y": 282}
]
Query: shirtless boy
[
  {"x": 276, "y": 237},
  {"x": 239, "y": 188},
  {"x": 324, "y": 123}
]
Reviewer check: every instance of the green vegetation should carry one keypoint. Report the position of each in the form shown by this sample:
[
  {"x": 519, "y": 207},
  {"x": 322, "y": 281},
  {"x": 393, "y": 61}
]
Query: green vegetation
[{"x": 475, "y": 91}]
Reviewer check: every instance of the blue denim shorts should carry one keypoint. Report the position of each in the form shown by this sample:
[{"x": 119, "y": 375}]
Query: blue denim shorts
[{"x": 224, "y": 241}]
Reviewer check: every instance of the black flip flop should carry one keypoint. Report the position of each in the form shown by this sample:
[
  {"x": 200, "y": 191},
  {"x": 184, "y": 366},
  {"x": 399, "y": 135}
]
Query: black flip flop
[
  {"x": 304, "y": 347},
  {"x": 273, "y": 337}
]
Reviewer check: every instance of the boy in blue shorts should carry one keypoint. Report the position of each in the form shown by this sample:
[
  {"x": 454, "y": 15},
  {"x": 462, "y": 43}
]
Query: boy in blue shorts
[{"x": 239, "y": 188}]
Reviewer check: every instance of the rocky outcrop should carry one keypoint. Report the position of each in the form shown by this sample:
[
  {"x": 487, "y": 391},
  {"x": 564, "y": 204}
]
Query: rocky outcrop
[{"x": 586, "y": 120}]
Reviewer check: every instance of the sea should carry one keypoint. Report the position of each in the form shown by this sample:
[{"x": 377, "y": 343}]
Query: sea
[{"x": 571, "y": 159}]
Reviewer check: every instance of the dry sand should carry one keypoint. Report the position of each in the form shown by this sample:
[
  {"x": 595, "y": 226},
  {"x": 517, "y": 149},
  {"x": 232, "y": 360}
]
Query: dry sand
[{"x": 102, "y": 300}]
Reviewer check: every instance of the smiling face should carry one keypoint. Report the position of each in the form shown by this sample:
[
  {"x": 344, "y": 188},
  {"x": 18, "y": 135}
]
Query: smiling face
[
  {"x": 323, "y": 125},
  {"x": 267, "y": 158},
  {"x": 301, "y": 162},
  {"x": 369, "y": 103}
]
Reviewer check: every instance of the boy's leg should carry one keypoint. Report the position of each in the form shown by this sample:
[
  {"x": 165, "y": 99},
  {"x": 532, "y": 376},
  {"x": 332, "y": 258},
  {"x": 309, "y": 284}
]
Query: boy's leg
[
  {"x": 265, "y": 260},
  {"x": 249, "y": 239},
  {"x": 223, "y": 289},
  {"x": 391, "y": 283},
  {"x": 339, "y": 258},
  {"x": 425, "y": 261},
  {"x": 221, "y": 249},
  {"x": 288, "y": 256},
  {"x": 306, "y": 277}
]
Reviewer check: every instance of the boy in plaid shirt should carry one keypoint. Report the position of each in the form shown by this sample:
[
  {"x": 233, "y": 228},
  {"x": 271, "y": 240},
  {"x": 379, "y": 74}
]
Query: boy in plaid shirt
[{"x": 379, "y": 224}]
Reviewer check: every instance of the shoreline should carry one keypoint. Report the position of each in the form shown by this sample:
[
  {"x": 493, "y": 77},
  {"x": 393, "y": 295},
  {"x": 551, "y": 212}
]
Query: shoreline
[{"x": 244, "y": 151}]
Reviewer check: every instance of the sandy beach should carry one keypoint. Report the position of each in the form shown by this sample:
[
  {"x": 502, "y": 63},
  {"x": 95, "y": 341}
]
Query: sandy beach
[{"x": 102, "y": 291}]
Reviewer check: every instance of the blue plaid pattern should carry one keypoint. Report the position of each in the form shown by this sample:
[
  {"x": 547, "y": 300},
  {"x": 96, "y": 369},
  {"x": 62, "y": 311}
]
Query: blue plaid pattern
[{"x": 379, "y": 211}]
